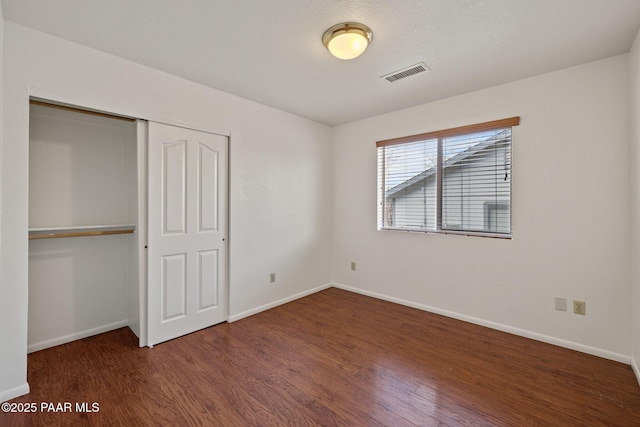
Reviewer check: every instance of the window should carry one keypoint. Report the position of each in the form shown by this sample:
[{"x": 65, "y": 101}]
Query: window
[{"x": 450, "y": 181}]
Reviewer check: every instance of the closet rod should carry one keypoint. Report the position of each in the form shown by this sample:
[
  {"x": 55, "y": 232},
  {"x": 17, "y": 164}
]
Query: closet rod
[
  {"x": 57, "y": 235},
  {"x": 80, "y": 110}
]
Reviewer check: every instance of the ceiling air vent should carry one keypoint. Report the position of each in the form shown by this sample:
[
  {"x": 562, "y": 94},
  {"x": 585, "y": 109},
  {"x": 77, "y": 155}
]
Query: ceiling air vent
[{"x": 418, "y": 68}]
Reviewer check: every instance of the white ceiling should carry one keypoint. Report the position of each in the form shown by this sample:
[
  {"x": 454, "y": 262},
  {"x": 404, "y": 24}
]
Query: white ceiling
[{"x": 270, "y": 51}]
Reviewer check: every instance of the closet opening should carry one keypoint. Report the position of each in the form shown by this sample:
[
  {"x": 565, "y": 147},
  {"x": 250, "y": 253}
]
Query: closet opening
[{"x": 87, "y": 225}]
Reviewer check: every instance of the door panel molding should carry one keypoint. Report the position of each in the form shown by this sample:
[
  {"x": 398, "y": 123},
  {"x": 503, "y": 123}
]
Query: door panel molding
[{"x": 187, "y": 231}]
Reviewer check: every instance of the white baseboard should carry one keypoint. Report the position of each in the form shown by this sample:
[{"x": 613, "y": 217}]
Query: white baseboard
[
  {"x": 498, "y": 326},
  {"x": 14, "y": 392},
  {"x": 265, "y": 307},
  {"x": 75, "y": 336},
  {"x": 636, "y": 369}
]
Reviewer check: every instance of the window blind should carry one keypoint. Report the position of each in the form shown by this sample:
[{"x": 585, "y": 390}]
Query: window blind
[{"x": 455, "y": 180}]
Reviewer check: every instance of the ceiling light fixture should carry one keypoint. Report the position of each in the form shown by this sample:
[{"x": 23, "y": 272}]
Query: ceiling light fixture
[{"x": 347, "y": 40}]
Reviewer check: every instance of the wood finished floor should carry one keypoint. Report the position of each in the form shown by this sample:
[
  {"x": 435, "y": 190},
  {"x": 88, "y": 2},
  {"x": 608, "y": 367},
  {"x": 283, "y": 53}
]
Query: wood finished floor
[{"x": 334, "y": 358}]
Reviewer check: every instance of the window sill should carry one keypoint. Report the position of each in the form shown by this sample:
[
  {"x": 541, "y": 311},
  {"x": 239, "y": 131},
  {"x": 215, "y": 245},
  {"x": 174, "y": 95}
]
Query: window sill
[{"x": 459, "y": 233}]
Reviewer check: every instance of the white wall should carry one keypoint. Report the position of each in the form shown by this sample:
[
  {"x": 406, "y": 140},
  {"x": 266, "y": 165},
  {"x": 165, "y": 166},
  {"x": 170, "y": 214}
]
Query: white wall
[
  {"x": 570, "y": 213},
  {"x": 12, "y": 326},
  {"x": 634, "y": 116},
  {"x": 280, "y": 175}
]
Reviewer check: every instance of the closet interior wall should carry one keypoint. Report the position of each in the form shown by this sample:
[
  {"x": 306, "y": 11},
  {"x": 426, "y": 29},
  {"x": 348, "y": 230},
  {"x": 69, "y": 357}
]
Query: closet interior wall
[{"x": 82, "y": 173}]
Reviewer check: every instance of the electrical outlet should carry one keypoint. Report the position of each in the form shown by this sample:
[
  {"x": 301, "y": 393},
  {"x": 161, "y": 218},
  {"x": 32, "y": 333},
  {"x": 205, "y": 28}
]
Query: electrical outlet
[
  {"x": 561, "y": 304},
  {"x": 272, "y": 277},
  {"x": 353, "y": 265},
  {"x": 579, "y": 307}
]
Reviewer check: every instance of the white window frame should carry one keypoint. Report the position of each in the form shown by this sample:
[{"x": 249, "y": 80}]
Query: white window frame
[{"x": 439, "y": 136}]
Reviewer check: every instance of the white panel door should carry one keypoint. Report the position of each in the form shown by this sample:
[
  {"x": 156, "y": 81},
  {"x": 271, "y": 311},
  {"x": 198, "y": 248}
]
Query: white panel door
[{"x": 187, "y": 248}]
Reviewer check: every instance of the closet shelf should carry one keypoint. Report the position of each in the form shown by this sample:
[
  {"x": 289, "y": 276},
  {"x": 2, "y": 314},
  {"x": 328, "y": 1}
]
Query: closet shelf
[{"x": 79, "y": 231}]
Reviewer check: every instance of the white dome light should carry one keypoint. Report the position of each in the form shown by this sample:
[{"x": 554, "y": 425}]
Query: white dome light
[{"x": 347, "y": 40}]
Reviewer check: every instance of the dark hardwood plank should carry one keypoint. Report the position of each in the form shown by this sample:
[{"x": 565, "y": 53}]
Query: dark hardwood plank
[{"x": 334, "y": 358}]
